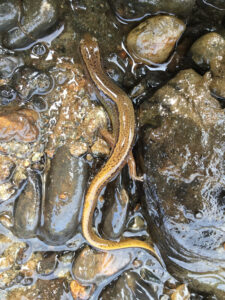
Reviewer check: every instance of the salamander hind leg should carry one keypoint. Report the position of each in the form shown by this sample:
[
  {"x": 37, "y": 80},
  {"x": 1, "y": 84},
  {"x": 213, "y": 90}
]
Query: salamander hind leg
[{"x": 109, "y": 138}]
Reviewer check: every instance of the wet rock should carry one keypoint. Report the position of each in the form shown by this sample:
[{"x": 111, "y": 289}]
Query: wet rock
[
  {"x": 8, "y": 252},
  {"x": 146, "y": 87},
  {"x": 130, "y": 286},
  {"x": 135, "y": 9},
  {"x": 153, "y": 40},
  {"x": 19, "y": 125},
  {"x": 39, "y": 50},
  {"x": 216, "y": 4},
  {"x": 6, "y": 220},
  {"x": 181, "y": 293},
  {"x": 42, "y": 289},
  {"x": 81, "y": 292},
  {"x": 39, "y": 104},
  {"x": 184, "y": 165},
  {"x": 65, "y": 188},
  {"x": 7, "y": 167},
  {"x": 7, "y": 190},
  {"x": 137, "y": 223},
  {"x": 9, "y": 14},
  {"x": 78, "y": 149},
  {"x": 7, "y": 94},
  {"x": 8, "y": 64},
  {"x": 30, "y": 81},
  {"x": 27, "y": 207},
  {"x": 19, "y": 274},
  {"x": 38, "y": 20},
  {"x": 206, "y": 48},
  {"x": 115, "y": 215},
  {"x": 93, "y": 267},
  {"x": 100, "y": 147},
  {"x": 48, "y": 264},
  {"x": 217, "y": 68}
]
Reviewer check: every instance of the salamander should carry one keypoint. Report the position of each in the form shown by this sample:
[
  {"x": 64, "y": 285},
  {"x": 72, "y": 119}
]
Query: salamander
[{"x": 120, "y": 152}]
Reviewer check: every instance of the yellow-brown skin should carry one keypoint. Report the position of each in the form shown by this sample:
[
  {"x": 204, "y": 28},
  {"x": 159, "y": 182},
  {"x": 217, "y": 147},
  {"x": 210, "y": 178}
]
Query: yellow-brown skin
[{"x": 91, "y": 57}]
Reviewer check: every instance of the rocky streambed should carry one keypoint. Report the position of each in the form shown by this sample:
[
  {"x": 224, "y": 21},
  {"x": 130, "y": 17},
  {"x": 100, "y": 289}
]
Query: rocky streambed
[{"x": 169, "y": 57}]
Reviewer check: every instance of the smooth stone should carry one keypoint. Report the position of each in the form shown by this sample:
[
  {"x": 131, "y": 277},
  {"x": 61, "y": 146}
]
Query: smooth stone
[
  {"x": 7, "y": 94},
  {"x": 9, "y": 14},
  {"x": 48, "y": 264},
  {"x": 94, "y": 267},
  {"x": 206, "y": 48},
  {"x": 39, "y": 104},
  {"x": 65, "y": 187},
  {"x": 27, "y": 209},
  {"x": 38, "y": 20},
  {"x": 115, "y": 216},
  {"x": 153, "y": 40},
  {"x": 8, "y": 64}
]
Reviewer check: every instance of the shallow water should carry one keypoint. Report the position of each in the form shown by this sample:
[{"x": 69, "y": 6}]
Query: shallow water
[{"x": 69, "y": 116}]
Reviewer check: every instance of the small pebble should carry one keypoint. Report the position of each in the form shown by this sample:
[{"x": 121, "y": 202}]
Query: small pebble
[{"x": 153, "y": 40}]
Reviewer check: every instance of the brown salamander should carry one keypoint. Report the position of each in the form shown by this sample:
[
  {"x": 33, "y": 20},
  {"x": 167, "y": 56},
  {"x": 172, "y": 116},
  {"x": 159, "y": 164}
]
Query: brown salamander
[{"x": 120, "y": 152}]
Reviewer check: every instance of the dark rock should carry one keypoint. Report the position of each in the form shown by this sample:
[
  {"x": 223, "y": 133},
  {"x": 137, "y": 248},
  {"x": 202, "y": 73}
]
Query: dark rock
[
  {"x": 27, "y": 208},
  {"x": 183, "y": 147},
  {"x": 8, "y": 64},
  {"x": 48, "y": 264},
  {"x": 65, "y": 187},
  {"x": 115, "y": 215},
  {"x": 133, "y": 10},
  {"x": 39, "y": 104},
  {"x": 9, "y": 14},
  {"x": 39, "y": 50},
  {"x": 38, "y": 20},
  {"x": 29, "y": 81},
  {"x": 7, "y": 94},
  {"x": 130, "y": 286}
]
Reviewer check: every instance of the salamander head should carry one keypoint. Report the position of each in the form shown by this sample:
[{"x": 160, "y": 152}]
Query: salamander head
[{"x": 89, "y": 48}]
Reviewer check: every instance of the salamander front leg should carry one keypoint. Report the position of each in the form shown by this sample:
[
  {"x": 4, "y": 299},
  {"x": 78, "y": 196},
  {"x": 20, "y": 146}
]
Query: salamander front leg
[{"x": 130, "y": 161}]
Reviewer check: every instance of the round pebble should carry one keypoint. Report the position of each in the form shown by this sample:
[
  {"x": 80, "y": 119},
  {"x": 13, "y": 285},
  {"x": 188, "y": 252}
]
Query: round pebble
[{"x": 153, "y": 40}]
